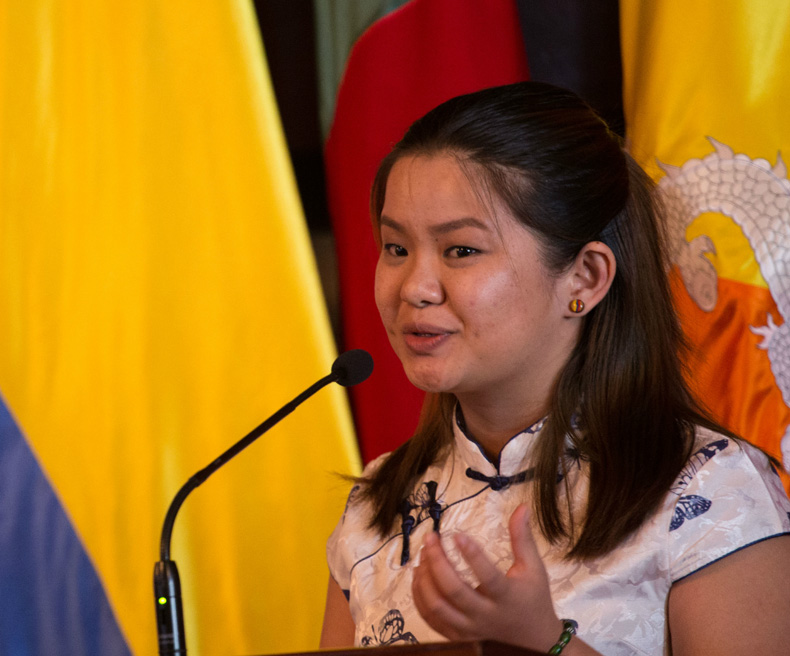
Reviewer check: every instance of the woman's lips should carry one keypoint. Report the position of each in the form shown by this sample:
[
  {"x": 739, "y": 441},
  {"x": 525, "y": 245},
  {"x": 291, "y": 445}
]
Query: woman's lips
[{"x": 422, "y": 339}]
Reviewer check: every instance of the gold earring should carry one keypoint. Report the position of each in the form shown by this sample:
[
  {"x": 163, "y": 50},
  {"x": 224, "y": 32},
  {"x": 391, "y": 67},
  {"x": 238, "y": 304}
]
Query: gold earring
[{"x": 576, "y": 305}]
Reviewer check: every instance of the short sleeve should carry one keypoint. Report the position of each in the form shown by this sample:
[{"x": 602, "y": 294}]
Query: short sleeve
[
  {"x": 344, "y": 543},
  {"x": 727, "y": 497}
]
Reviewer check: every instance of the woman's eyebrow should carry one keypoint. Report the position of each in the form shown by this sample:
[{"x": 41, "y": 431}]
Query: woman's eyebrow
[
  {"x": 440, "y": 228},
  {"x": 457, "y": 224},
  {"x": 390, "y": 223}
]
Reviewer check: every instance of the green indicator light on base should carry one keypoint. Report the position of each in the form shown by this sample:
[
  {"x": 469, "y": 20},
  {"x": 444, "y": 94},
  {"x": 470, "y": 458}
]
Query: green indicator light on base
[{"x": 162, "y": 601}]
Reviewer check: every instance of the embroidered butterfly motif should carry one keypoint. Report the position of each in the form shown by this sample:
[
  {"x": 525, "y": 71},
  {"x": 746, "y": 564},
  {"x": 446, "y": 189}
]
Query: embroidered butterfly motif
[
  {"x": 696, "y": 462},
  {"x": 423, "y": 499},
  {"x": 389, "y": 632},
  {"x": 689, "y": 507}
]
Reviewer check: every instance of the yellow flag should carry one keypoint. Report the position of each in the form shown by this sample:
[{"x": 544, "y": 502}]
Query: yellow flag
[
  {"x": 158, "y": 300},
  {"x": 707, "y": 92}
]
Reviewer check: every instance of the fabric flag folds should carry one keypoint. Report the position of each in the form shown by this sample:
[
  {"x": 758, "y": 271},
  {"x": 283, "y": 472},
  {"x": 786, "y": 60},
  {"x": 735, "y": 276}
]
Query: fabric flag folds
[
  {"x": 158, "y": 299},
  {"x": 412, "y": 59},
  {"x": 706, "y": 95}
]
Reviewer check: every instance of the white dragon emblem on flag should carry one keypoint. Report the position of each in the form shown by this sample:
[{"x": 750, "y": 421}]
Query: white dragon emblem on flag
[{"x": 756, "y": 196}]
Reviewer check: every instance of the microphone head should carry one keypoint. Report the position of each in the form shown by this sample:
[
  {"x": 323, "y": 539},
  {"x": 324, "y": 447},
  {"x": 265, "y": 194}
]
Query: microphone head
[{"x": 352, "y": 367}]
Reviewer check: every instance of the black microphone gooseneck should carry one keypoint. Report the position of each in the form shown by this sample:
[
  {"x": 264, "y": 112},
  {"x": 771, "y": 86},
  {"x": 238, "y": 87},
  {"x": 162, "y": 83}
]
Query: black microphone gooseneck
[{"x": 350, "y": 368}]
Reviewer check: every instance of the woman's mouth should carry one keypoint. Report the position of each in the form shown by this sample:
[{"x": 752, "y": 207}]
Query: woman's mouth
[{"x": 424, "y": 340}]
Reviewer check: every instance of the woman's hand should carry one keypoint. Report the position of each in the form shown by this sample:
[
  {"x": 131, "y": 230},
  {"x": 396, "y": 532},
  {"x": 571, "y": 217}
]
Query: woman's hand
[{"x": 515, "y": 607}]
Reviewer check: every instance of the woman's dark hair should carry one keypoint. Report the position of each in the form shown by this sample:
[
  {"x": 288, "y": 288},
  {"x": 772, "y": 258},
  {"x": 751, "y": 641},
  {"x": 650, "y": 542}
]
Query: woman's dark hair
[{"x": 561, "y": 172}]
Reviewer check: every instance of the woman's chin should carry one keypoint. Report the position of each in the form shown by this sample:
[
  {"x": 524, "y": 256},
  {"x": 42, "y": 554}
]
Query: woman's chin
[{"x": 429, "y": 381}]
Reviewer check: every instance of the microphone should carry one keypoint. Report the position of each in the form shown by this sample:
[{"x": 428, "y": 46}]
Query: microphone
[{"x": 350, "y": 368}]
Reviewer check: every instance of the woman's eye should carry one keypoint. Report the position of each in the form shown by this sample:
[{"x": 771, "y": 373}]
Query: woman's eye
[
  {"x": 461, "y": 251},
  {"x": 395, "y": 249}
]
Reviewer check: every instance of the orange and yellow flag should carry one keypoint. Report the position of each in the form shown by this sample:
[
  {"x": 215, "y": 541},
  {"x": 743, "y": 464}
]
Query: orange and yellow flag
[{"x": 706, "y": 91}]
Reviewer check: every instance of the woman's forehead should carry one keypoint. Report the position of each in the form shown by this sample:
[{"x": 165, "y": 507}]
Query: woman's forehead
[{"x": 442, "y": 186}]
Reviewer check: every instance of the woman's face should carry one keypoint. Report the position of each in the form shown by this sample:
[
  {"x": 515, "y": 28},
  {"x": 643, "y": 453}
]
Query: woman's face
[{"x": 466, "y": 301}]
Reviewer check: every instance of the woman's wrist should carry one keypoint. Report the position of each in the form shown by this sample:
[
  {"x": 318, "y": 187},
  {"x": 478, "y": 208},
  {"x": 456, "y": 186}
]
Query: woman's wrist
[
  {"x": 568, "y": 631},
  {"x": 541, "y": 640}
]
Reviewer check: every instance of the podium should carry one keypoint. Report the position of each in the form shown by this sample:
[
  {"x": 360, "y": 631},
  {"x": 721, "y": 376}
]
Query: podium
[{"x": 474, "y": 648}]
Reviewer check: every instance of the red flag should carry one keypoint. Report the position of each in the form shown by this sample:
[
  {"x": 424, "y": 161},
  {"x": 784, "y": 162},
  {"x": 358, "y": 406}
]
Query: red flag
[{"x": 403, "y": 65}]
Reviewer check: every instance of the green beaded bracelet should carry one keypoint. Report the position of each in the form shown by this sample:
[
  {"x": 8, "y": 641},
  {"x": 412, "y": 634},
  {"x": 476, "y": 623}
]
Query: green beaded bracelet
[{"x": 568, "y": 631}]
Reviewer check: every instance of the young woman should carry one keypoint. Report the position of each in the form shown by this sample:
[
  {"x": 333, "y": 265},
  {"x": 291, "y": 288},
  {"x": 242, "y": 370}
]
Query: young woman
[{"x": 562, "y": 478}]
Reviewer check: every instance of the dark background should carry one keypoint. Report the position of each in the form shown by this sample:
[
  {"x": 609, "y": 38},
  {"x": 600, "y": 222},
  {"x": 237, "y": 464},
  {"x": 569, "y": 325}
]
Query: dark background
[{"x": 288, "y": 34}]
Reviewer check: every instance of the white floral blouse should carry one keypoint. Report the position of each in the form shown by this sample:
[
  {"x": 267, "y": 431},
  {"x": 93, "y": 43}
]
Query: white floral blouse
[{"x": 727, "y": 497}]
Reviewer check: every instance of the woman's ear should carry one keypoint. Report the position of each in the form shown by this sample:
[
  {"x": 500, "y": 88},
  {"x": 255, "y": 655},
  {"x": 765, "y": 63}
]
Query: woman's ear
[{"x": 589, "y": 278}]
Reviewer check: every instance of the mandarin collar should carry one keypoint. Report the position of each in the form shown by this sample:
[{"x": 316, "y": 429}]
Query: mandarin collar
[{"x": 512, "y": 458}]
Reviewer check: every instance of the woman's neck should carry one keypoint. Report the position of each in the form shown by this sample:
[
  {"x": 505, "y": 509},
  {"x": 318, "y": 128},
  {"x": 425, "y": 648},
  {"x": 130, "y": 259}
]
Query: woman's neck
[{"x": 492, "y": 426}]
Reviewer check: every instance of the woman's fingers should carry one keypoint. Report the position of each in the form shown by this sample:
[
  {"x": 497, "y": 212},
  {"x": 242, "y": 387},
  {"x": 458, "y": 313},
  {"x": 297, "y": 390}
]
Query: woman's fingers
[
  {"x": 525, "y": 551},
  {"x": 440, "y": 595},
  {"x": 492, "y": 582},
  {"x": 515, "y": 607},
  {"x": 444, "y": 577}
]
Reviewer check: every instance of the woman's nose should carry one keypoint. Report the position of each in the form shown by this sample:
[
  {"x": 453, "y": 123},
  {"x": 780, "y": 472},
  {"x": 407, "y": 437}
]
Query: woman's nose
[{"x": 422, "y": 284}]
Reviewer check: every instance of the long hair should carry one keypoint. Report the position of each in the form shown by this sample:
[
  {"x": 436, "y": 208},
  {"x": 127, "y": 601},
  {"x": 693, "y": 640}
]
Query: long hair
[{"x": 565, "y": 176}]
